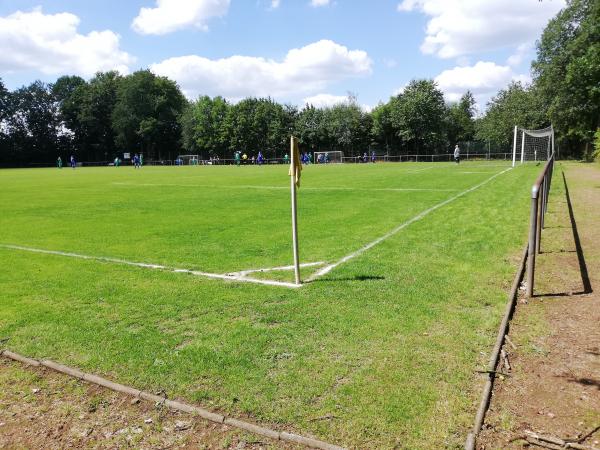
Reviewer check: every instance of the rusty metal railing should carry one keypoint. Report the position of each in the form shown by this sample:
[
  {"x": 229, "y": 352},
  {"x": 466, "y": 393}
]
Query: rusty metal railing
[{"x": 539, "y": 206}]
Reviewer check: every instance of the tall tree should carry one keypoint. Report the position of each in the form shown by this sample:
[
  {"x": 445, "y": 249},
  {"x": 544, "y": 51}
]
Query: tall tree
[
  {"x": 567, "y": 72},
  {"x": 32, "y": 124},
  {"x": 146, "y": 114},
  {"x": 516, "y": 105},
  {"x": 460, "y": 119},
  {"x": 417, "y": 117},
  {"x": 203, "y": 124},
  {"x": 68, "y": 92},
  {"x": 97, "y": 101}
]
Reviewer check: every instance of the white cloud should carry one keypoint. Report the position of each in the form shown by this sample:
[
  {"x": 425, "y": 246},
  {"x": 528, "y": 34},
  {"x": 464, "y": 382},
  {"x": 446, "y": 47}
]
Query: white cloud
[
  {"x": 275, "y": 4},
  {"x": 484, "y": 79},
  {"x": 328, "y": 100},
  {"x": 317, "y": 3},
  {"x": 303, "y": 71},
  {"x": 172, "y": 15},
  {"x": 325, "y": 100},
  {"x": 390, "y": 62},
  {"x": 49, "y": 43},
  {"x": 522, "y": 52},
  {"x": 460, "y": 27}
]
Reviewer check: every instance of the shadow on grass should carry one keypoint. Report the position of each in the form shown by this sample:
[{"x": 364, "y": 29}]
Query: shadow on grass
[
  {"x": 354, "y": 278},
  {"x": 585, "y": 276}
]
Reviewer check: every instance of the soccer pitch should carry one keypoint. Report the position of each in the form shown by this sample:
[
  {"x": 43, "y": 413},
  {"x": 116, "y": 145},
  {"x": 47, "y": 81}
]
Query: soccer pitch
[{"x": 384, "y": 345}]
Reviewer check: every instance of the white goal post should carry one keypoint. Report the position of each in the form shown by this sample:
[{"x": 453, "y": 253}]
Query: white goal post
[
  {"x": 188, "y": 160},
  {"x": 328, "y": 157},
  {"x": 532, "y": 145}
]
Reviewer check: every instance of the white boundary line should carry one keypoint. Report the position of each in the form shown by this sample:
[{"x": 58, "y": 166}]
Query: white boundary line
[
  {"x": 232, "y": 277},
  {"x": 243, "y": 273},
  {"x": 331, "y": 188},
  {"x": 419, "y": 216}
]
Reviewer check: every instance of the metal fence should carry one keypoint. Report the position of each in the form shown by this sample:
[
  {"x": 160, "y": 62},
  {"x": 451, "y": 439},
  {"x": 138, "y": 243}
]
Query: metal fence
[
  {"x": 539, "y": 206},
  {"x": 440, "y": 157}
]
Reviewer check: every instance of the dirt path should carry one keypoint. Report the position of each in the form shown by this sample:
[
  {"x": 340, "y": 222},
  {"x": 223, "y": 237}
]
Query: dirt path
[
  {"x": 42, "y": 409},
  {"x": 554, "y": 384}
]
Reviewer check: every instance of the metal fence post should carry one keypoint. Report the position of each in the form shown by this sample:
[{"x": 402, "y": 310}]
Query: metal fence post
[
  {"x": 540, "y": 213},
  {"x": 532, "y": 241}
]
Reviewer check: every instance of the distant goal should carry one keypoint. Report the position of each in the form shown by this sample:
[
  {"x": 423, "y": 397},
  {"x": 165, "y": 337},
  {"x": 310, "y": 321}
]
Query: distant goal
[
  {"x": 532, "y": 145},
  {"x": 328, "y": 157},
  {"x": 188, "y": 160}
]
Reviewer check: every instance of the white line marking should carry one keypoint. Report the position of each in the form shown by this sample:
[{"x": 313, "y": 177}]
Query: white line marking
[
  {"x": 154, "y": 266},
  {"x": 243, "y": 273},
  {"x": 419, "y": 216},
  {"x": 324, "y": 188},
  {"x": 421, "y": 170}
]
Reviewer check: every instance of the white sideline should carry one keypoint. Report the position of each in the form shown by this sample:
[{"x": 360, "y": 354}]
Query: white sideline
[
  {"x": 198, "y": 273},
  {"x": 243, "y": 273},
  {"x": 419, "y": 216},
  {"x": 331, "y": 188}
]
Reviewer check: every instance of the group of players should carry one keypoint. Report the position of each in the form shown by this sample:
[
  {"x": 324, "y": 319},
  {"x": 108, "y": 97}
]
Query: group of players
[
  {"x": 136, "y": 161},
  {"x": 242, "y": 158},
  {"x": 239, "y": 158}
]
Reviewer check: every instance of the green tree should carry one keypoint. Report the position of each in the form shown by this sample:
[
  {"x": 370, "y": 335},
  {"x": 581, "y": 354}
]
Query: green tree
[
  {"x": 382, "y": 129},
  {"x": 310, "y": 128},
  {"x": 32, "y": 125},
  {"x": 516, "y": 105},
  {"x": 567, "y": 73},
  {"x": 202, "y": 125},
  {"x": 417, "y": 117},
  {"x": 460, "y": 119},
  {"x": 96, "y": 102},
  {"x": 146, "y": 114},
  {"x": 68, "y": 93},
  {"x": 347, "y": 127}
]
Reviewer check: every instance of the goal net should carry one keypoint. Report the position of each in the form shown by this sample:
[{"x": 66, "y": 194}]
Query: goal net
[
  {"x": 188, "y": 160},
  {"x": 532, "y": 145},
  {"x": 328, "y": 157}
]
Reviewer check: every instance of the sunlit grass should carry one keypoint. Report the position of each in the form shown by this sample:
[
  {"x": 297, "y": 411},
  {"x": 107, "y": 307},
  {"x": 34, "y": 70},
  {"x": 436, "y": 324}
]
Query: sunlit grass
[{"x": 384, "y": 347}]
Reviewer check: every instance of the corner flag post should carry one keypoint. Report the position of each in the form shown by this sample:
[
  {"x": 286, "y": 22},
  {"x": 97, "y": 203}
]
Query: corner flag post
[{"x": 295, "y": 169}]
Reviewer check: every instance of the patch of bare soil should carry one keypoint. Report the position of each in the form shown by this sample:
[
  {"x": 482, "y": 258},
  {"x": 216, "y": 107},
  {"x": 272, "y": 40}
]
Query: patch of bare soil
[
  {"x": 551, "y": 398},
  {"x": 42, "y": 409}
]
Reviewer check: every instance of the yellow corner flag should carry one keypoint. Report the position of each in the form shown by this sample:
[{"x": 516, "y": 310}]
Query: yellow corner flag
[{"x": 295, "y": 165}]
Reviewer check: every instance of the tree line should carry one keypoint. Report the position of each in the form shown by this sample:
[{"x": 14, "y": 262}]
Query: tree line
[{"x": 110, "y": 114}]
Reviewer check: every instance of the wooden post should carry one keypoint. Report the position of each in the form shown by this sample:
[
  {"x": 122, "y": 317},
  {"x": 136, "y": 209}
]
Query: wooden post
[{"x": 295, "y": 158}]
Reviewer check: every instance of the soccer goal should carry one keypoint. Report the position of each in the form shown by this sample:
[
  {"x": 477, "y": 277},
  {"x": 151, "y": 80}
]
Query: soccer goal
[
  {"x": 328, "y": 157},
  {"x": 188, "y": 160},
  {"x": 532, "y": 145}
]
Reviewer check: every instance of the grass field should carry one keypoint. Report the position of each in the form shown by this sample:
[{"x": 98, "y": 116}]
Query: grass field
[{"x": 384, "y": 346}]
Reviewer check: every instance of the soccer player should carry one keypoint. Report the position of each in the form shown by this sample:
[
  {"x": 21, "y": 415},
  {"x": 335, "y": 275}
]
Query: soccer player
[
  {"x": 260, "y": 158},
  {"x": 310, "y": 158},
  {"x": 456, "y": 154},
  {"x": 236, "y": 157},
  {"x": 72, "y": 162},
  {"x": 136, "y": 161},
  {"x": 59, "y": 162},
  {"x": 286, "y": 159},
  {"x": 373, "y": 156},
  {"x": 141, "y": 159}
]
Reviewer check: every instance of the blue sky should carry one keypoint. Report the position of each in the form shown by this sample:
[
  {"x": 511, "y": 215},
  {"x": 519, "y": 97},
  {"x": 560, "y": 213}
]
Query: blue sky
[{"x": 292, "y": 50}]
